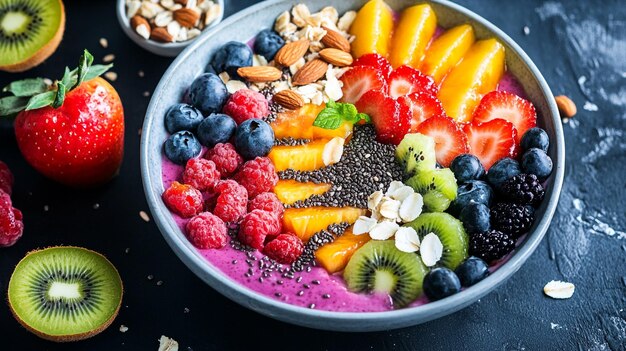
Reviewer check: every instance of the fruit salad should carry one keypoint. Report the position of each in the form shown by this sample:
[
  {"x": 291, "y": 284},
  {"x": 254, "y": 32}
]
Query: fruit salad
[{"x": 364, "y": 161}]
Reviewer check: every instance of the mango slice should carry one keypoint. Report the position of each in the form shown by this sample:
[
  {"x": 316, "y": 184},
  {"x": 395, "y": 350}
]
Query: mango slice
[
  {"x": 290, "y": 191},
  {"x": 414, "y": 31},
  {"x": 372, "y": 27},
  {"x": 304, "y": 222},
  {"x": 298, "y": 124},
  {"x": 306, "y": 157},
  {"x": 335, "y": 256},
  {"x": 446, "y": 51}
]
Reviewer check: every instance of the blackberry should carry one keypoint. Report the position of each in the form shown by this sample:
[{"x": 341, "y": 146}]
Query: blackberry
[
  {"x": 524, "y": 189},
  {"x": 512, "y": 218},
  {"x": 491, "y": 245}
]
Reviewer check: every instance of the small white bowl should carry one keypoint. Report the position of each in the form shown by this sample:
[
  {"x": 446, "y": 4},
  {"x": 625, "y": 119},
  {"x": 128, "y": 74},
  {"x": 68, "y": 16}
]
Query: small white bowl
[{"x": 162, "y": 49}]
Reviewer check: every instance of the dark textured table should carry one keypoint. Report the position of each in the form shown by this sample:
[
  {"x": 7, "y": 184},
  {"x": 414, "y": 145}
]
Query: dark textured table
[{"x": 580, "y": 48}]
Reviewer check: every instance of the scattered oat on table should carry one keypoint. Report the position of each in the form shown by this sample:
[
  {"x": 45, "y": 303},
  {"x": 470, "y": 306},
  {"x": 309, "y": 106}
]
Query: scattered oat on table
[
  {"x": 144, "y": 216},
  {"x": 96, "y": 206},
  {"x": 108, "y": 58},
  {"x": 141, "y": 74},
  {"x": 46, "y": 208},
  {"x": 557, "y": 289},
  {"x": 146, "y": 93},
  {"x": 123, "y": 328},
  {"x": 112, "y": 76},
  {"x": 104, "y": 43},
  {"x": 167, "y": 344}
]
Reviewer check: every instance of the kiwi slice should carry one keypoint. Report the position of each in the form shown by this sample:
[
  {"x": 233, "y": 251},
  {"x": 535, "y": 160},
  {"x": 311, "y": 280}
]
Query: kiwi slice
[
  {"x": 30, "y": 31},
  {"x": 416, "y": 152},
  {"x": 65, "y": 293},
  {"x": 451, "y": 233},
  {"x": 437, "y": 186},
  {"x": 379, "y": 267}
]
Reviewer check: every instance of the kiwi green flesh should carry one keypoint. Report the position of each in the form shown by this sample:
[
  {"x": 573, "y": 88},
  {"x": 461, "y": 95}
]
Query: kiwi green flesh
[
  {"x": 435, "y": 201},
  {"x": 440, "y": 181},
  {"x": 416, "y": 152},
  {"x": 26, "y": 26},
  {"x": 62, "y": 292},
  {"x": 451, "y": 233},
  {"x": 379, "y": 267}
]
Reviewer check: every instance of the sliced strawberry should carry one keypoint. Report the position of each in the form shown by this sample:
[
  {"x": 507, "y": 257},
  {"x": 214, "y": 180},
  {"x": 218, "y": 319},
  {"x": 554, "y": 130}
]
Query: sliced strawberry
[
  {"x": 390, "y": 118},
  {"x": 450, "y": 140},
  {"x": 508, "y": 106},
  {"x": 422, "y": 106},
  {"x": 405, "y": 80},
  {"x": 359, "y": 80},
  {"x": 376, "y": 61},
  {"x": 491, "y": 141}
]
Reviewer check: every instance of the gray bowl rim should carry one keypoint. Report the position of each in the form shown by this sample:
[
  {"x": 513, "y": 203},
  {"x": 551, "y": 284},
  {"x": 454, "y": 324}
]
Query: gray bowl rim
[
  {"x": 350, "y": 321},
  {"x": 162, "y": 49}
]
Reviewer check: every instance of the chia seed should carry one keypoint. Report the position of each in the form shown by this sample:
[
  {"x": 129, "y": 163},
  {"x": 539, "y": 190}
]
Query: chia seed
[
  {"x": 289, "y": 141},
  {"x": 316, "y": 282},
  {"x": 300, "y": 293},
  {"x": 274, "y": 108},
  {"x": 326, "y": 296},
  {"x": 312, "y": 306},
  {"x": 318, "y": 239},
  {"x": 306, "y": 286},
  {"x": 278, "y": 294}
]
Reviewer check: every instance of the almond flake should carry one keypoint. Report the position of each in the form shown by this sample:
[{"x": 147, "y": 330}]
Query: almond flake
[
  {"x": 258, "y": 60},
  {"x": 149, "y": 10},
  {"x": 557, "y": 289},
  {"x": 235, "y": 85},
  {"x": 211, "y": 14},
  {"x": 411, "y": 207},
  {"x": 374, "y": 199},
  {"x": 224, "y": 77},
  {"x": 431, "y": 249},
  {"x": 393, "y": 186},
  {"x": 132, "y": 7},
  {"x": 407, "y": 240},
  {"x": 174, "y": 28},
  {"x": 163, "y": 19},
  {"x": 333, "y": 150},
  {"x": 384, "y": 230},
  {"x": 363, "y": 225},
  {"x": 402, "y": 193},
  {"x": 389, "y": 208},
  {"x": 346, "y": 21}
]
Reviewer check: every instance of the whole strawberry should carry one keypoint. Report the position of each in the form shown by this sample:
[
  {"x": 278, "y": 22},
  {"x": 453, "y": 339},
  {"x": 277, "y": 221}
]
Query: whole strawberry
[{"x": 72, "y": 132}]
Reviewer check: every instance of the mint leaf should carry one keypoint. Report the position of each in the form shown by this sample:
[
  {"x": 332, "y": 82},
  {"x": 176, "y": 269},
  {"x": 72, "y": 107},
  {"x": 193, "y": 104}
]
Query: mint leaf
[
  {"x": 26, "y": 87},
  {"x": 12, "y": 104},
  {"x": 335, "y": 113},
  {"x": 41, "y": 100},
  {"x": 328, "y": 118},
  {"x": 96, "y": 70},
  {"x": 364, "y": 117}
]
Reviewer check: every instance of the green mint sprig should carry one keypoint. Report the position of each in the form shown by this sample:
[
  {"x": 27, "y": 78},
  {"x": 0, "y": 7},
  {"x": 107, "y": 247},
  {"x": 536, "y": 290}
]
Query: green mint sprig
[
  {"x": 335, "y": 113},
  {"x": 35, "y": 93}
]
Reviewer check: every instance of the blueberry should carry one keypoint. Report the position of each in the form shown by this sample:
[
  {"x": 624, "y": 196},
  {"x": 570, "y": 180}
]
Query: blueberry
[
  {"x": 254, "y": 138},
  {"x": 232, "y": 56},
  {"x": 503, "y": 170},
  {"x": 182, "y": 146},
  {"x": 535, "y": 137},
  {"x": 217, "y": 128},
  {"x": 472, "y": 271},
  {"x": 182, "y": 117},
  {"x": 267, "y": 44},
  {"x": 441, "y": 282},
  {"x": 467, "y": 167},
  {"x": 536, "y": 161},
  {"x": 209, "y": 69},
  {"x": 475, "y": 217},
  {"x": 475, "y": 191},
  {"x": 208, "y": 93}
]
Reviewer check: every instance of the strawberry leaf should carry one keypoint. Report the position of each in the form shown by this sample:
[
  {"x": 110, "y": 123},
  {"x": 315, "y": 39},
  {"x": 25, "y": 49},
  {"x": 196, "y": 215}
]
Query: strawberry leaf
[
  {"x": 12, "y": 104},
  {"x": 26, "y": 87},
  {"x": 60, "y": 95},
  {"x": 86, "y": 59},
  {"x": 97, "y": 70},
  {"x": 41, "y": 100}
]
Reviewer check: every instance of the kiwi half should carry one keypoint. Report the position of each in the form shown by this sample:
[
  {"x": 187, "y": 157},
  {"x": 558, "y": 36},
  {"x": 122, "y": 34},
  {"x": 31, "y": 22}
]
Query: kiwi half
[
  {"x": 416, "y": 152},
  {"x": 379, "y": 267},
  {"x": 437, "y": 186},
  {"x": 451, "y": 233},
  {"x": 30, "y": 31},
  {"x": 65, "y": 293}
]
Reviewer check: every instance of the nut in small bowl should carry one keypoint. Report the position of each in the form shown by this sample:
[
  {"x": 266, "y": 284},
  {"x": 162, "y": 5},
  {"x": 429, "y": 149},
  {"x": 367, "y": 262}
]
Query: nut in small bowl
[{"x": 166, "y": 27}]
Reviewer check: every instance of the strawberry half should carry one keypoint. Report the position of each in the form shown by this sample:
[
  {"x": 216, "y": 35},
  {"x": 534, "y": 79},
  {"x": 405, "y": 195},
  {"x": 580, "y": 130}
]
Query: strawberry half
[
  {"x": 406, "y": 80},
  {"x": 359, "y": 80},
  {"x": 390, "y": 118},
  {"x": 422, "y": 106},
  {"x": 491, "y": 141},
  {"x": 450, "y": 140},
  {"x": 376, "y": 61},
  {"x": 507, "y": 106}
]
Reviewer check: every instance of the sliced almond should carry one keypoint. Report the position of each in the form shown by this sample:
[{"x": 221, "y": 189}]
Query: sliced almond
[
  {"x": 288, "y": 99},
  {"x": 333, "y": 150},
  {"x": 431, "y": 249},
  {"x": 161, "y": 34},
  {"x": 186, "y": 17},
  {"x": 557, "y": 289},
  {"x": 336, "y": 57},
  {"x": 310, "y": 72},
  {"x": 149, "y": 10},
  {"x": 235, "y": 85},
  {"x": 290, "y": 53},
  {"x": 334, "y": 39},
  {"x": 363, "y": 225},
  {"x": 211, "y": 14},
  {"x": 260, "y": 74},
  {"x": 132, "y": 7},
  {"x": 173, "y": 28},
  {"x": 411, "y": 207},
  {"x": 374, "y": 199},
  {"x": 384, "y": 230},
  {"x": 407, "y": 240},
  {"x": 163, "y": 19}
]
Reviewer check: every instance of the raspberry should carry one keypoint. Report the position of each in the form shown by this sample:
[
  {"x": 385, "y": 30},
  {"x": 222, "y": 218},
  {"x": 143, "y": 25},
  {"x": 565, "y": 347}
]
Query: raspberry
[
  {"x": 6, "y": 178},
  {"x": 245, "y": 104},
  {"x": 267, "y": 202},
  {"x": 207, "y": 231},
  {"x": 231, "y": 202},
  {"x": 257, "y": 176},
  {"x": 257, "y": 226},
  {"x": 183, "y": 199},
  {"x": 286, "y": 248},
  {"x": 225, "y": 157},
  {"x": 201, "y": 174},
  {"x": 11, "y": 225}
]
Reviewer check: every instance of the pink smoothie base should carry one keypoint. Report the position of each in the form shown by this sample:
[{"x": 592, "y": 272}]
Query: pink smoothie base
[{"x": 332, "y": 285}]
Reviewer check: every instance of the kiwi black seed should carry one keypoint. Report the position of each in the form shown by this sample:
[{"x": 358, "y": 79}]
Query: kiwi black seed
[
  {"x": 65, "y": 293},
  {"x": 416, "y": 152},
  {"x": 379, "y": 267},
  {"x": 451, "y": 233}
]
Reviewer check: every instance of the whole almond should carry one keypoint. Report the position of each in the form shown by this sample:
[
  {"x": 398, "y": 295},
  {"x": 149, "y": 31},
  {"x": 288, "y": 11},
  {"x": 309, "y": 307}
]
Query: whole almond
[
  {"x": 186, "y": 17},
  {"x": 334, "y": 39},
  {"x": 310, "y": 72},
  {"x": 336, "y": 57},
  {"x": 260, "y": 74},
  {"x": 566, "y": 106},
  {"x": 137, "y": 20},
  {"x": 161, "y": 34},
  {"x": 290, "y": 53},
  {"x": 288, "y": 99}
]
